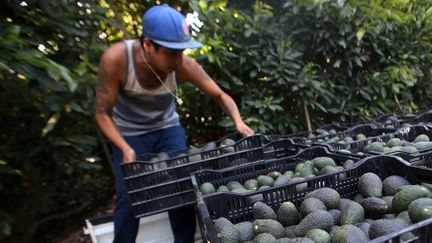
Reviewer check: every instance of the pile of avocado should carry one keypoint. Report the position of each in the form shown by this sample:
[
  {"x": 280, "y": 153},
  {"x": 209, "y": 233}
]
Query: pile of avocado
[
  {"x": 192, "y": 154},
  {"x": 336, "y": 139},
  {"x": 302, "y": 171},
  {"x": 421, "y": 142},
  {"x": 380, "y": 208}
]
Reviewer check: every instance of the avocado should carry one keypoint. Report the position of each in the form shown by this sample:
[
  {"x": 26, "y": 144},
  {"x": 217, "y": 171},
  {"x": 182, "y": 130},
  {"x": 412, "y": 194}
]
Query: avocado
[
  {"x": 263, "y": 211},
  {"x": 284, "y": 240},
  {"x": 300, "y": 186},
  {"x": 209, "y": 146},
  {"x": 343, "y": 202},
  {"x": 288, "y": 214},
  {"x": 358, "y": 198},
  {"x": 195, "y": 157},
  {"x": 423, "y": 145},
  {"x": 328, "y": 170},
  {"x": 274, "y": 174},
  {"x": 222, "y": 188},
  {"x": 389, "y": 216},
  {"x": 298, "y": 167},
  {"x": 307, "y": 169},
  {"x": 409, "y": 149},
  {"x": 318, "y": 219},
  {"x": 407, "y": 236},
  {"x": 245, "y": 231},
  {"x": 420, "y": 209},
  {"x": 374, "y": 207},
  {"x": 289, "y": 173},
  {"x": 232, "y": 185},
  {"x": 405, "y": 216},
  {"x": 301, "y": 240},
  {"x": 268, "y": 226},
  {"x": 290, "y": 231},
  {"x": 392, "y": 183},
  {"x": 264, "y": 180},
  {"x": 329, "y": 196},
  {"x": 251, "y": 184},
  {"x": 394, "y": 142},
  {"x": 318, "y": 236},
  {"x": 309, "y": 205},
  {"x": 376, "y": 147},
  {"x": 207, "y": 188},
  {"x": 406, "y": 195},
  {"x": 336, "y": 216},
  {"x": 422, "y": 138},
  {"x": 360, "y": 136},
  {"x": 345, "y": 151},
  {"x": 348, "y": 164},
  {"x": 226, "y": 232},
  {"x": 241, "y": 190},
  {"x": 349, "y": 234},
  {"x": 321, "y": 162},
  {"x": 395, "y": 149},
  {"x": 352, "y": 214},
  {"x": 281, "y": 180},
  {"x": 388, "y": 200},
  {"x": 370, "y": 185},
  {"x": 265, "y": 238},
  {"x": 364, "y": 227},
  {"x": 382, "y": 227}
]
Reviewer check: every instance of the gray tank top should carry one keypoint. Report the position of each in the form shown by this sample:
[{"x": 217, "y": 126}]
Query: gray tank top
[{"x": 139, "y": 110}]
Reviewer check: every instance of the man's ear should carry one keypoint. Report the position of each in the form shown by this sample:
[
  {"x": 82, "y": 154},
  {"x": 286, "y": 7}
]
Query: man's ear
[{"x": 146, "y": 44}]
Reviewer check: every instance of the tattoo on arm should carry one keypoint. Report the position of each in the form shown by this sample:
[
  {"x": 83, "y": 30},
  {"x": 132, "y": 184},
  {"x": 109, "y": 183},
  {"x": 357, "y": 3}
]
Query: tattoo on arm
[
  {"x": 100, "y": 87},
  {"x": 102, "y": 76},
  {"x": 103, "y": 106}
]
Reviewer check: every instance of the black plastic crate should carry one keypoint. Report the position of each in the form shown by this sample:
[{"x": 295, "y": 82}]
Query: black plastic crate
[
  {"x": 418, "y": 159},
  {"x": 423, "y": 228},
  {"x": 244, "y": 173},
  {"x": 238, "y": 207},
  {"x": 394, "y": 120},
  {"x": 425, "y": 118},
  {"x": 329, "y": 128},
  {"x": 200, "y": 153},
  {"x": 369, "y": 130},
  {"x": 408, "y": 133},
  {"x": 157, "y": 191}
]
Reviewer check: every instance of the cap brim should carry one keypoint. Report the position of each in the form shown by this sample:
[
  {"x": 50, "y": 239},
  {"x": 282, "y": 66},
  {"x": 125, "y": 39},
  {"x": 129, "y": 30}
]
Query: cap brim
[{"x": 179, "y": 45}]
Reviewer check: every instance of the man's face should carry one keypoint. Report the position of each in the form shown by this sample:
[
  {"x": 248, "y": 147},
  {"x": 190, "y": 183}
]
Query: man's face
[{"x": 165, "y": 60}]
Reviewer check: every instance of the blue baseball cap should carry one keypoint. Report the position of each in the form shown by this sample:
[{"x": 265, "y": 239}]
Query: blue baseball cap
[{"x": 168, "y": 28}]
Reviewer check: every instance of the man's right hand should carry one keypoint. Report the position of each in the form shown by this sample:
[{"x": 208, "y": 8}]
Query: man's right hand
[{"x": 129, "y": 155}]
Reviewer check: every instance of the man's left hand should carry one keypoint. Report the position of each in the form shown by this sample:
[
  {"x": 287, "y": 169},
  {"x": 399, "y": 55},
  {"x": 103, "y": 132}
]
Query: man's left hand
[{"x": 244, "y": 130}]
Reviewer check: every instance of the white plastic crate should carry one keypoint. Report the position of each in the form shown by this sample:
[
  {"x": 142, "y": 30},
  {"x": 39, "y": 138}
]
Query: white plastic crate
[{"x": 152, "y": 229}]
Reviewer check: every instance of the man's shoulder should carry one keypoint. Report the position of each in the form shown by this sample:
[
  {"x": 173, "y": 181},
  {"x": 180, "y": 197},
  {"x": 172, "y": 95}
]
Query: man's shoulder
[{"x": 115, "y": 54}]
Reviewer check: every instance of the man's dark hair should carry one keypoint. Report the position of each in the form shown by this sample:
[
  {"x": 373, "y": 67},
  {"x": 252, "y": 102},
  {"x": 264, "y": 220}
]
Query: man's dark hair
[{"x": 156, "y": 45}]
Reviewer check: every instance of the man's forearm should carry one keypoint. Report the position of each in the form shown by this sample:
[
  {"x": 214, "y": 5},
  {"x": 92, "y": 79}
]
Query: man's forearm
[{"x": 230, "y": 108}]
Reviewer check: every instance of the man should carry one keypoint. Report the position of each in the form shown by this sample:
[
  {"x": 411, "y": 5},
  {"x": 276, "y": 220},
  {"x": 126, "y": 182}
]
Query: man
[{"x": 135, "y": 106}]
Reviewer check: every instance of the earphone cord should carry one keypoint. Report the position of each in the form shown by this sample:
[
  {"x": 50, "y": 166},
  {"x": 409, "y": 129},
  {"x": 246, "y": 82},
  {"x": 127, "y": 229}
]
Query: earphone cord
[{"x": 178, "y": 99}]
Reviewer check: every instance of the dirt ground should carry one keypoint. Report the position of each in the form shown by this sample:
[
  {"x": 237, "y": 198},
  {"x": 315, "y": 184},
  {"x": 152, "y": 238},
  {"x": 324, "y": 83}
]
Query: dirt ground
[{"x": 71, "y": 230}]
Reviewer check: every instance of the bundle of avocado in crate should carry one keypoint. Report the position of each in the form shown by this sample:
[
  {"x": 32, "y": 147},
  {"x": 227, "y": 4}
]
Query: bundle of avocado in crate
[
  {"x": 159, "y": 186},
  {"x": 325, "y": 130},
  {"x": 356, "y": 133},
  {"x": 395, "y": 120},
  {"x": 308, "y": 163},
  {"x": 402, "y": 120},
  {"x": 410, "y": 139},
  {"x": 229, "y": 144},
  {"x": 381, "y": 199}
]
